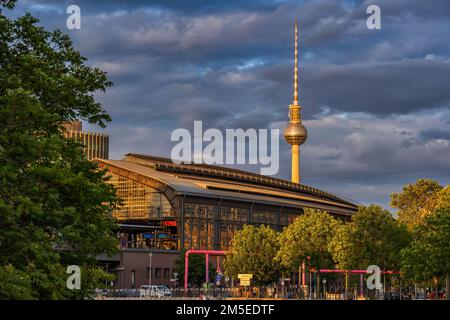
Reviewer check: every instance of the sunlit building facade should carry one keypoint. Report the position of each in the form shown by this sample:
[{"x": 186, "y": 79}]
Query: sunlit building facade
[
  {"x": 167, "y": 207},
  {"x": 96, "y": 145}
]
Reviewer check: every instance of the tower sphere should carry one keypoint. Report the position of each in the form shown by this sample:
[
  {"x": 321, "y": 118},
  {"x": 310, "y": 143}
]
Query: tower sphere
[{"x": 295, "y": 133}]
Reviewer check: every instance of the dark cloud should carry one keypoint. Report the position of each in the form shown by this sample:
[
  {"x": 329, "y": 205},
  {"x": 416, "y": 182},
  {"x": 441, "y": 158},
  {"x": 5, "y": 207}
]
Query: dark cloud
[
  {"x": 179, "y": 6},
  {"x": 378, "y": 88},
  {"x": 422, "y": 9},
  {"x": 375, "y": 102},
  {"x": 435, "y": 133}
]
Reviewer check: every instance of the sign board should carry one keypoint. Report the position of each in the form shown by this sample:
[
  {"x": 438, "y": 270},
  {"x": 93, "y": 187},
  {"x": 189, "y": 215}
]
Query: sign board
[
  {"x": 170, "y": 223},
  {"x": 218, "y": 279},
  {"x": 244, "y": 282},
  {"x": 245, "y": 278}
]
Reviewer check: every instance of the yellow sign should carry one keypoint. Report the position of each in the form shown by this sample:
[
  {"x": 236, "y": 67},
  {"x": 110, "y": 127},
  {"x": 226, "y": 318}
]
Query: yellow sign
[
  {"x": 245, "y": 279},
  {"x": 245, "y": 282}
]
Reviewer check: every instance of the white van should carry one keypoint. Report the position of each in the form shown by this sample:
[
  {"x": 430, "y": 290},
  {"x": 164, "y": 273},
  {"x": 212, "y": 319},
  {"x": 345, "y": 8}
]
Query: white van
[{"x": 157, "y": 291}]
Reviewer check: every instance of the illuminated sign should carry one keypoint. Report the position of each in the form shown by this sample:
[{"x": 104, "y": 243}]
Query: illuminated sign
[{"x": 170, "y": 223}]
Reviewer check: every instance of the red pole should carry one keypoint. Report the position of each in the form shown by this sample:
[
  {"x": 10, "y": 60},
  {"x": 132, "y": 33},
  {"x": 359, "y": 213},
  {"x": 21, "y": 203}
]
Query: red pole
[
  {"x": 361, "y": 285},
  {"x": 186, "y": 269},
  {"x": 207, "y": 253},
  {"x": 207, "y": 268},
  {"x": 303, "y": 274}
]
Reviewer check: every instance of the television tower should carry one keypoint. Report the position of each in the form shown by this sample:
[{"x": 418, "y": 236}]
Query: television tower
[{"x": 295, "y": 133}]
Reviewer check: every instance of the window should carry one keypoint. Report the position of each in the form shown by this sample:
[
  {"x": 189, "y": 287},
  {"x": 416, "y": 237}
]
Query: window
[
  {"x": 231, "y": 220},
  {"x": 264, "y": 217},
  {"x": 199, "y": 225},
  {"x": 139, "y": 202},
  {"x": 234, "y": 214},
  {"x": 163, "y": 238},
  {"x": 147, "y": 274},
  {"x": 166, "y": 273},
  {"x": 287, "y": 218},
  {"x": 158, "y": 273}
]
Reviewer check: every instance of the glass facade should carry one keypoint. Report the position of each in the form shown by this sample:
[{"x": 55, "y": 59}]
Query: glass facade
[
  {"x": 231, "y": 220},
  {"x": 207, "y": 228},
  {"x": 287, "y": 218},
  {"x": 265, "y": 217},
  {"x": 139, "y": 202},
  {"x": 199, "y": 226},
  {"x": 160, "y": 238},
  {"x": 147, "y": 220}
]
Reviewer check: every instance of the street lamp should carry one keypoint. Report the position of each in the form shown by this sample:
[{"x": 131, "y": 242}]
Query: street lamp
[
  {"x": 175, "y": 278},
  {"x": 150, "y": 271},
  {"x": 324, "y": 281}
]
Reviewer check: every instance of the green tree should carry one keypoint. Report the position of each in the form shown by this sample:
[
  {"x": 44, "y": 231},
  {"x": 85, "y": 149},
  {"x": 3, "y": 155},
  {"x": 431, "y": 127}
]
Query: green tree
[
  {"x": 428, "y": 256},
  {"x": 253, "y": 250},
  {"x": 8, "y": 3},
  {"x": 372, "y": 237},
  {"x": 197, "y": 269},
  {"x": 55, "y": 206},
  {"x": 443, "y": 198},
  {"x": 416, "y": 201},
  {"x": 307, "y": 239}
]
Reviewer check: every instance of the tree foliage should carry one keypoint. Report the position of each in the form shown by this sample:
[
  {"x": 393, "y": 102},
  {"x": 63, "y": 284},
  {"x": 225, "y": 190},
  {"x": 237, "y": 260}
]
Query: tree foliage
[
  {"x": 8, "y": 3},
  {"x": 307, "y": 239},
  {"x": 416, "y": 201},
  {"x": 428, "y": 256},
  {"x": 253, "y": 250},
  {"x": 443, "y": 198},
  {"x": 372, "y": 237},
  {"x": 55, "y": 206}
]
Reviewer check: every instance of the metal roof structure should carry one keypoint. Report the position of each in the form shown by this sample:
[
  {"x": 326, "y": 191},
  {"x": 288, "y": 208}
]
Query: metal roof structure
[{"x": 214, "y": 182}]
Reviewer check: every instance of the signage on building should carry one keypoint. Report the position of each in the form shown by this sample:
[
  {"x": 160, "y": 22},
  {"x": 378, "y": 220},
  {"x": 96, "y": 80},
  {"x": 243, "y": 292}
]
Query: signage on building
[{"x": 170, "y": 223}]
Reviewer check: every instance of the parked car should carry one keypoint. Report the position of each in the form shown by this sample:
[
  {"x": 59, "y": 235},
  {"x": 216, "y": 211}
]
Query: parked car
[
  {"x": 157, "y": 291},
  {"x": 132, "y": 293}
]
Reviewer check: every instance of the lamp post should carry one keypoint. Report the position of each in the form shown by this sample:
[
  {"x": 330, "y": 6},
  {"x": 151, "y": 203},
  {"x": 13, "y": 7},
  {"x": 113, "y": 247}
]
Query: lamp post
[
  {"x": 324, "y": 281},
  {"x": 150, "y": 271}
]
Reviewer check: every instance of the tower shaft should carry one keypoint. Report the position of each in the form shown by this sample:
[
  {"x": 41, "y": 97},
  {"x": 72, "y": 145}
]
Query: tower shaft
[{"x": 295, "y": 170}]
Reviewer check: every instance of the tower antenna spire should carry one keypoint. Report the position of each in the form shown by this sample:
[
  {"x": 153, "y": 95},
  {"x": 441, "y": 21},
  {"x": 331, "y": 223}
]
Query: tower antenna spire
[
  {"x": 295, "y": 133},
  {"x": 295, "y": 63}
]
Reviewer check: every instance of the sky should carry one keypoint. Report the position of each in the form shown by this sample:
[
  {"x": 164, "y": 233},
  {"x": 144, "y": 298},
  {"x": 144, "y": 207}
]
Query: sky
[{"x": 376, "y": 103}]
